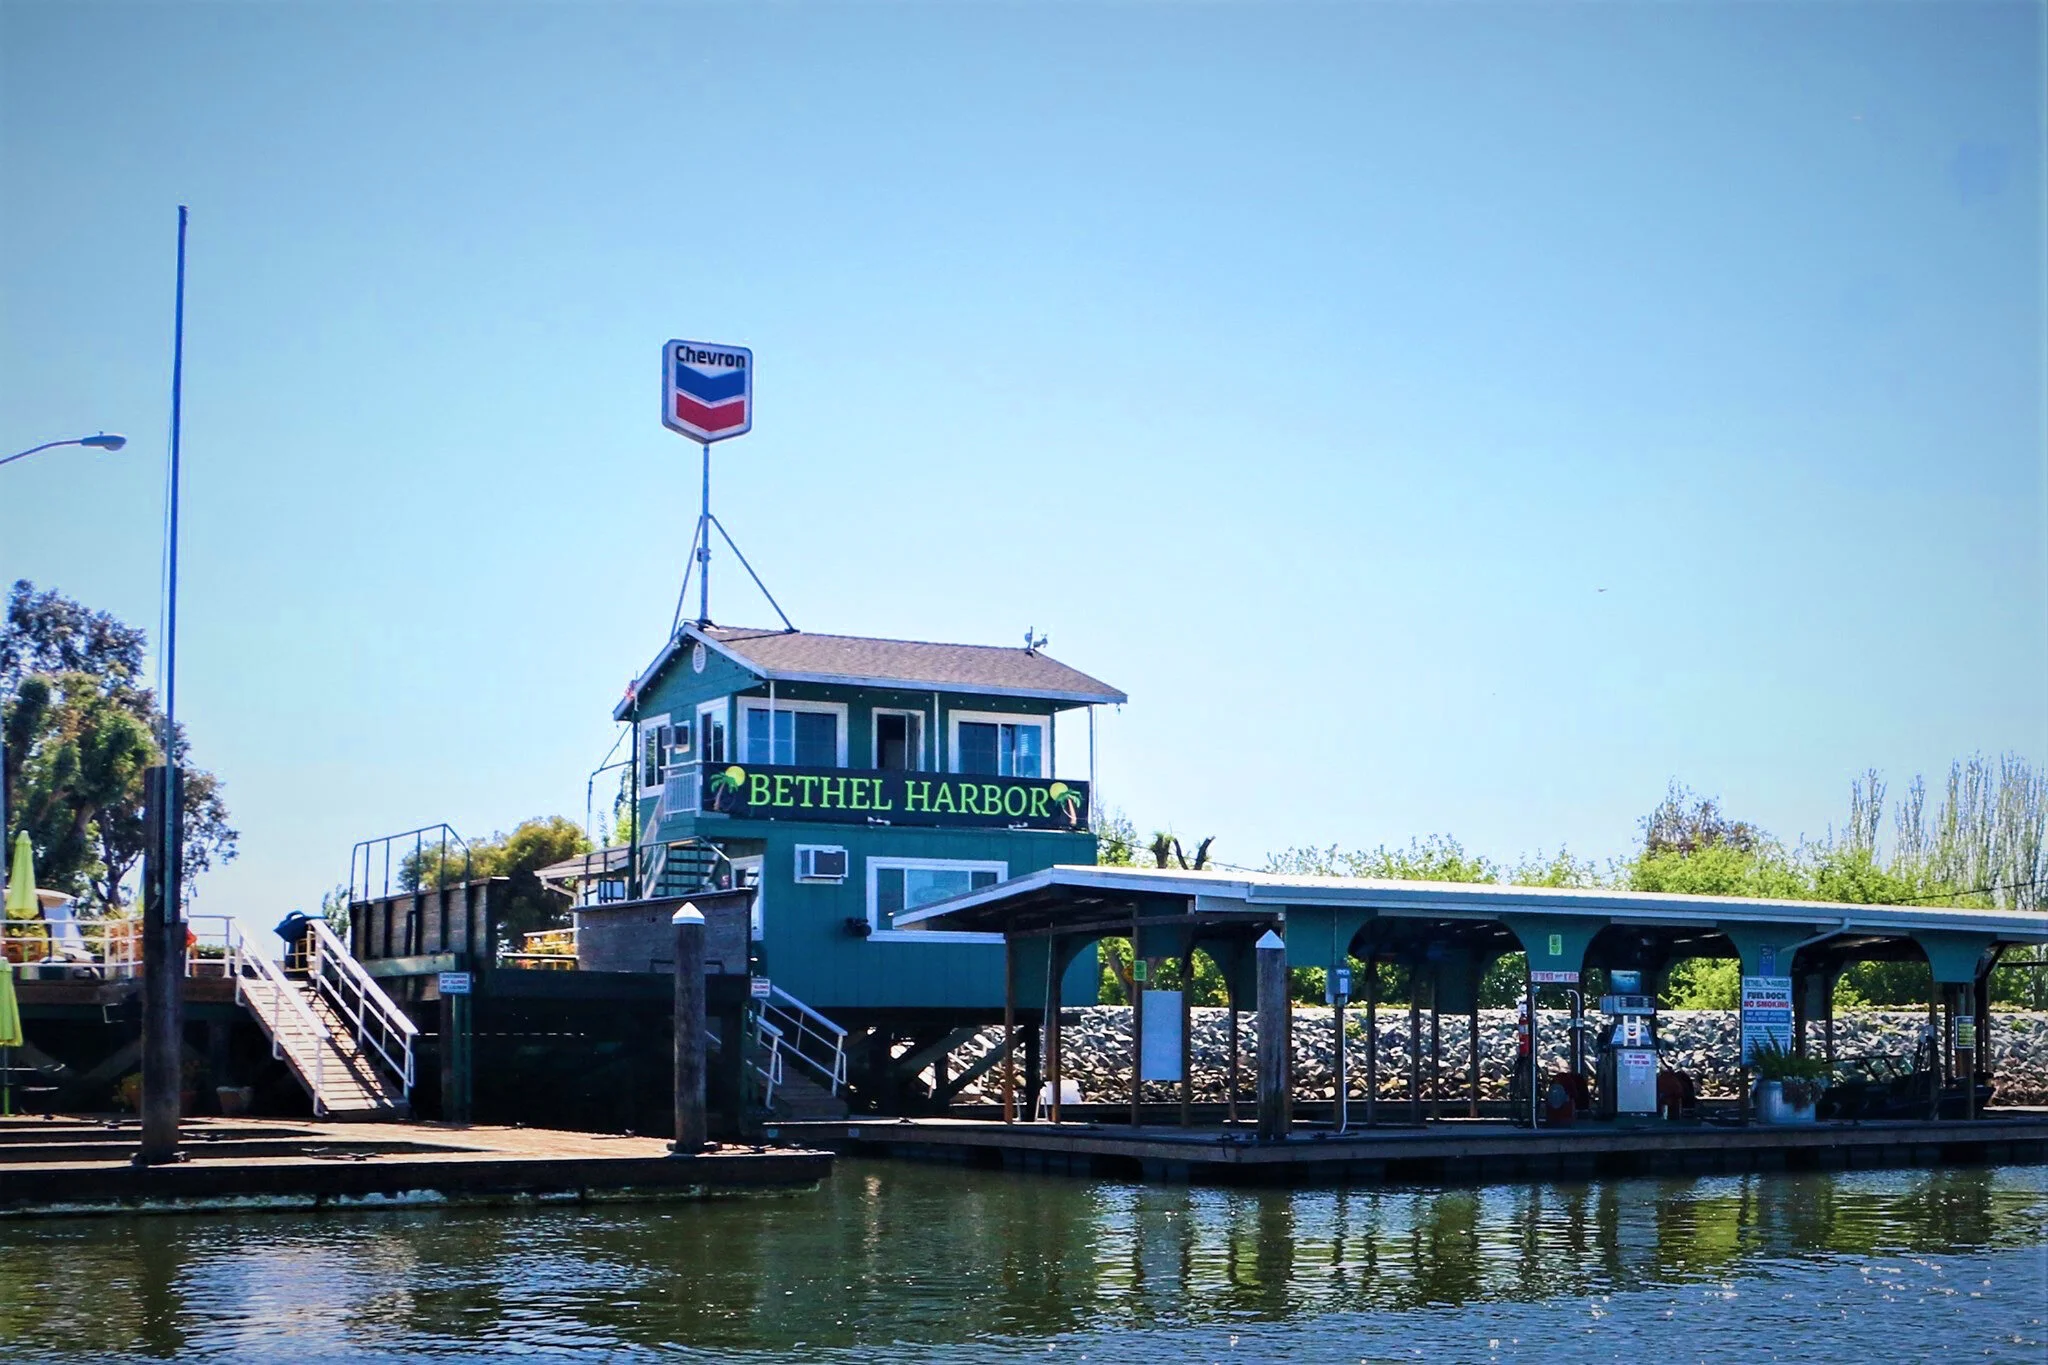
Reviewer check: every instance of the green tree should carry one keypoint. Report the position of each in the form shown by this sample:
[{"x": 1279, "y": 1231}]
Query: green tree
[
  {"x": 80, "y": 730},
  {"x": 528, "y": 905}
]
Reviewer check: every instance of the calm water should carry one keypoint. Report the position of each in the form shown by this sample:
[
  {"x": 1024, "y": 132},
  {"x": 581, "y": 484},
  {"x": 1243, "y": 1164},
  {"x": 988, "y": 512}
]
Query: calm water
[{"x": 915, "y": 1263}]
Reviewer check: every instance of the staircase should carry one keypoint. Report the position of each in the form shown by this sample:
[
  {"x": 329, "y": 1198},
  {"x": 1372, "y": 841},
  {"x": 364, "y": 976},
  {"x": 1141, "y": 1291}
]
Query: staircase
[{"x": 347, "y": 1043}]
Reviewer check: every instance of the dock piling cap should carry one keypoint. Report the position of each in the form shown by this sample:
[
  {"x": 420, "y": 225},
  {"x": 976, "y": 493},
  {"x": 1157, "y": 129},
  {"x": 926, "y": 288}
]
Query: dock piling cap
[
  {"x": 1269, "y": 942},
  {"x": 689, "y": 914}
]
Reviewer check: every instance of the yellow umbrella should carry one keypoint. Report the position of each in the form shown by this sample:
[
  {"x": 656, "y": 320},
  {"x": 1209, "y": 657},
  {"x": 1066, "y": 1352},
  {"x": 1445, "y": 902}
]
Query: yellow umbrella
[
  {"x": 21, "y": 883},
  {"x": 21, "y": 904}
]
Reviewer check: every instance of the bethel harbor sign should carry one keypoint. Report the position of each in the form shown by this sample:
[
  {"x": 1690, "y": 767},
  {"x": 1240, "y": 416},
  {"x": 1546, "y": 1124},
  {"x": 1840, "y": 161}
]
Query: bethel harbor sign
[{"x": 894, "y": 797}]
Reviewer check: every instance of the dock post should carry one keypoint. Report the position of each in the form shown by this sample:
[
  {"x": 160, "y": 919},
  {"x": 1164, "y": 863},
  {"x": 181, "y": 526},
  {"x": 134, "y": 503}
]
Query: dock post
[
  {"x": 1137, "y": 1027},
  {"x": 163, "y": 965},
  {"x": 1342, "y": 1112},
  {"x": 1436, "y": 1048},
  {"x": 1372, "y": 1037},
  {"x": 1272, "y": 959},
  {"x": 455, "y": 1058},
  {"x": 691, "y": 1130}
]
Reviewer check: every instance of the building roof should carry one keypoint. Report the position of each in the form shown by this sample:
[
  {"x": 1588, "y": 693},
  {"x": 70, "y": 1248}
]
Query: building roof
[
  {"x": 1077, "y": 893},
  {"x": 859, "y": 661}
]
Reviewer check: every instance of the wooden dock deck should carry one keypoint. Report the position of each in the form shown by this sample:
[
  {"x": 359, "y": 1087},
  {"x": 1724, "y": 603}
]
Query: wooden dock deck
[
  {"x": 1450, "y": 1151},
  {"x": 82, "y": 1165}
]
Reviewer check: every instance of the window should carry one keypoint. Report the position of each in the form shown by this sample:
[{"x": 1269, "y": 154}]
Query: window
[
  {"x": 896, "y": 885},
  {"x": 998, "y": 746},
  {"x": 711, "y": 732},
  {"x": 899, "y": 741},
  {"x": 655, "y": 740},
  {"x": 807, "y": 734}
]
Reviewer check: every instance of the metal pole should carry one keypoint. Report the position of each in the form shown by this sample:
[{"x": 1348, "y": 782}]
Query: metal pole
[
  {"x": 1529, "y": 996},
  {"x": 704, "y": 550},
  {"x": 1343, "y": 1080},
  {"x": 1414, "y": 1046},
  {"x": 691, "y": 1130},
  {"x": 1187, "y": 1042},
  {"x": 1472, "y": 1046},
  {"x": 1436, "y": 1049},
  {"x": 1231, "y": 1081}
]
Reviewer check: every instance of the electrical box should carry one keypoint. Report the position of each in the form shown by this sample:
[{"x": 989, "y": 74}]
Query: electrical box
[{"x": 820, "y": 863}]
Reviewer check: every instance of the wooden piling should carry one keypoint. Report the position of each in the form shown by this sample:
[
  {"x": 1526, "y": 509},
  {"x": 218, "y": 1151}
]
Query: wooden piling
[
  {"x": 1273, "y": 1059},
  {"x": 692, "y": 1129}
]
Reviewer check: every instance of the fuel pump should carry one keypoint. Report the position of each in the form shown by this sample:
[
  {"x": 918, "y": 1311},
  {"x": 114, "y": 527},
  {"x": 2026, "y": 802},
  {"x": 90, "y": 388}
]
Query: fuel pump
[{"x": 1627, "y": 1064}]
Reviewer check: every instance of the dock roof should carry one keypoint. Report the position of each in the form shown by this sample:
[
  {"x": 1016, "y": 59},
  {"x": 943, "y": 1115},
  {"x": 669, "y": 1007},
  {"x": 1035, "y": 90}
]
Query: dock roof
[
  {"x": 1082, "y": 894},
  {"x": 863, "y": 661}
]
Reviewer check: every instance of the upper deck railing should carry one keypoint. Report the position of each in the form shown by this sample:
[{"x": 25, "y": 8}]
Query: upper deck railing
[{"x": 109, "y": 947}]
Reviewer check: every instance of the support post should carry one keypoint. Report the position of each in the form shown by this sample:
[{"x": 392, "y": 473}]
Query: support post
[
  {"x": 1187, "y": 1040},
  {"x": 1343, "y": 1089},
  {"x": 1436, "y": 1049},
  {"x": 1535, "y": 1049},
  {"x": 163, "y": 966},
  {"x": 1273, "y": 1059},
  {"x": 1415, "y": 1045},
  {"x": 1034, "y": 1070},
  {"x": 1230, "y": 1081},
  {"x": 1009, "y": 1029},
  {"x": 692, "y": 1131},
  {"x": 1372, "y": 1038},
  {"x": 1052, "y": 1026},
  {"x": 1472, "y": 1047},
  {"x": 1137, "y": 1027},
  {"x": 455, "y": 1058}
]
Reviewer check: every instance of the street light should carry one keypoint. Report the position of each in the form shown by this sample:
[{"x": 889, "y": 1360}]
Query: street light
[{"x": 101, "y": 441}]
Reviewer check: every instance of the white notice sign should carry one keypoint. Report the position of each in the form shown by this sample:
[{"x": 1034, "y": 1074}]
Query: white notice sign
[
  {"x": 454, "y": 983},
  {"x": 1766, "y": 1014},
  {"x": 1161, "y": 1058}
]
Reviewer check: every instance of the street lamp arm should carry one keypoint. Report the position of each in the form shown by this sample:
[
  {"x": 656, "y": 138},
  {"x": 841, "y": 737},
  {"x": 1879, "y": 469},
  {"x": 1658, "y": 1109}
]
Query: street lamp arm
[{"x": 102, "y": 441}]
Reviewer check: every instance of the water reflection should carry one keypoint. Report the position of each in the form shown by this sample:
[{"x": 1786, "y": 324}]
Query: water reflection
[{"x": 901, "y": 1254}]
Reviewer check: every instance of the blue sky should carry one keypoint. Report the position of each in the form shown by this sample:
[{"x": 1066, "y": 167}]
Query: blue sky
[{"x": 1437, "y": 418}]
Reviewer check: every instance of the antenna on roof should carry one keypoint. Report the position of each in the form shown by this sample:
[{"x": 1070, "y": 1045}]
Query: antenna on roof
[{"x": 1033, "y": 642}]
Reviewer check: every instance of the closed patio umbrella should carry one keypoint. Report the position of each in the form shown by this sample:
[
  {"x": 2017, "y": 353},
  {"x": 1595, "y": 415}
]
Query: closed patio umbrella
[{"x": 21, "y": 904}]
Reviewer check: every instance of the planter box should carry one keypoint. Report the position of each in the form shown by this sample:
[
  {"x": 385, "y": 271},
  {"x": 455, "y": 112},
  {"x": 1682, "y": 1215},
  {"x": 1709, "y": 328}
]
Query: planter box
[{"x": 1772, "y": 1108}]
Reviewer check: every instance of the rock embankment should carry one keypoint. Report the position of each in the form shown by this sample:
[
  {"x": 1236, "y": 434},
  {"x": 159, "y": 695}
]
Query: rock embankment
[{"x": 1096, "y": 1050}]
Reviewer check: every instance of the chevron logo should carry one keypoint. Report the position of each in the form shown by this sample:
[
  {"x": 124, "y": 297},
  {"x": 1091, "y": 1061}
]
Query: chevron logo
[{"x": 708, "y": 390}]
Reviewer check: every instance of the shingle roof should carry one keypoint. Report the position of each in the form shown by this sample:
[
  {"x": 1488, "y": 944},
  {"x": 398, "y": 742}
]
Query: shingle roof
[{"x": 852, "y": 660}]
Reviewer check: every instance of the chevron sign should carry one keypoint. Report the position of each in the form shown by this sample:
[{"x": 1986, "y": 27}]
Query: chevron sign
[{"x": 707, "y": 390}]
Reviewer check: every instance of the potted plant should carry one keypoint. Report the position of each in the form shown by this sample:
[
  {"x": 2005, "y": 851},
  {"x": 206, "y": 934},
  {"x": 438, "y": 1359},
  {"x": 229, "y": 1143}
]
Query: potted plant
[{"x": 1788, "y": 1086}]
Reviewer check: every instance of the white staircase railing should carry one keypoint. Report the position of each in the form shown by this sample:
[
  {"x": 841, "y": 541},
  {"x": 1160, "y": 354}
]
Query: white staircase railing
[
  {"x": 273, "y": 997},
  {"x": 379, "y": 1025},
  {"x": 809, "y": 1036}
]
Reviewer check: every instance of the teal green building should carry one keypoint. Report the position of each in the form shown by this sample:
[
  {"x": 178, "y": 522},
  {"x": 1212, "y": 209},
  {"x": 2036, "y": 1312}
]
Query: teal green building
[{"x": 853, "y": 781}]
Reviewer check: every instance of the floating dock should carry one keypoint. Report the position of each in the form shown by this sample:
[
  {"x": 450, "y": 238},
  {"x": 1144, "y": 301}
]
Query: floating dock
[
  {"x": 1452, "y": 1151},
  {"x": 64, "y": 1165}
]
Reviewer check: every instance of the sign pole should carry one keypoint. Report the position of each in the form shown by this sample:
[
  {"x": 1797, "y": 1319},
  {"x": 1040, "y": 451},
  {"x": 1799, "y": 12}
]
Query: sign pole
[{"x": 704, "y": 545}]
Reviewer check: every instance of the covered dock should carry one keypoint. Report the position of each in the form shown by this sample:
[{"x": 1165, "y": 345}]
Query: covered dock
[{"x": 1448, "y": 936}]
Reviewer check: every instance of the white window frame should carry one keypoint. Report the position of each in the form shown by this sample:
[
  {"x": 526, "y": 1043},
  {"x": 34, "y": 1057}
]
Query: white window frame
[
  {"x": 834, "y": 708},
  {"x": 876, "y": 933},
  {"x": 646, "y": 724},
  {"x": 720, "y": 711},
  {"x": 1044, "y": 724},
  {"x": 875, "y": 735}
]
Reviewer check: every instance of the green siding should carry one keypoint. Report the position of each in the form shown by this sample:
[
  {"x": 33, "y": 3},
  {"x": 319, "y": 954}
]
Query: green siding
[{"x": 806, "y": 946}]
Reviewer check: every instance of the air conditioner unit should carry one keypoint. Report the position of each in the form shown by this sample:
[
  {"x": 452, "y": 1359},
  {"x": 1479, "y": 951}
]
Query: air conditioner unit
[{"x": 820, "y": 863}]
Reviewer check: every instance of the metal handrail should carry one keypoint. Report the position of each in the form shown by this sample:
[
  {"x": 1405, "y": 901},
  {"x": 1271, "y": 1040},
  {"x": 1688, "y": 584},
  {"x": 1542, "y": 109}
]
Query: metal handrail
[
  {"x": 379, "y": 1024},
  {"x": 808, "y": 1025},
  {"x": 281, "y": 989},
  {"x": 771, "y": 1074},
  {"x": 443, "y": 832},
  {"x": 112, "y": 944}
]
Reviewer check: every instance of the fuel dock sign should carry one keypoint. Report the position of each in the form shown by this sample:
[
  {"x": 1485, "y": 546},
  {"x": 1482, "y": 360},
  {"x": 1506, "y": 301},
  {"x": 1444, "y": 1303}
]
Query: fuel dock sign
[
  {"x": 779, "y": 792},
  {"x": 707, "y": 390}
]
